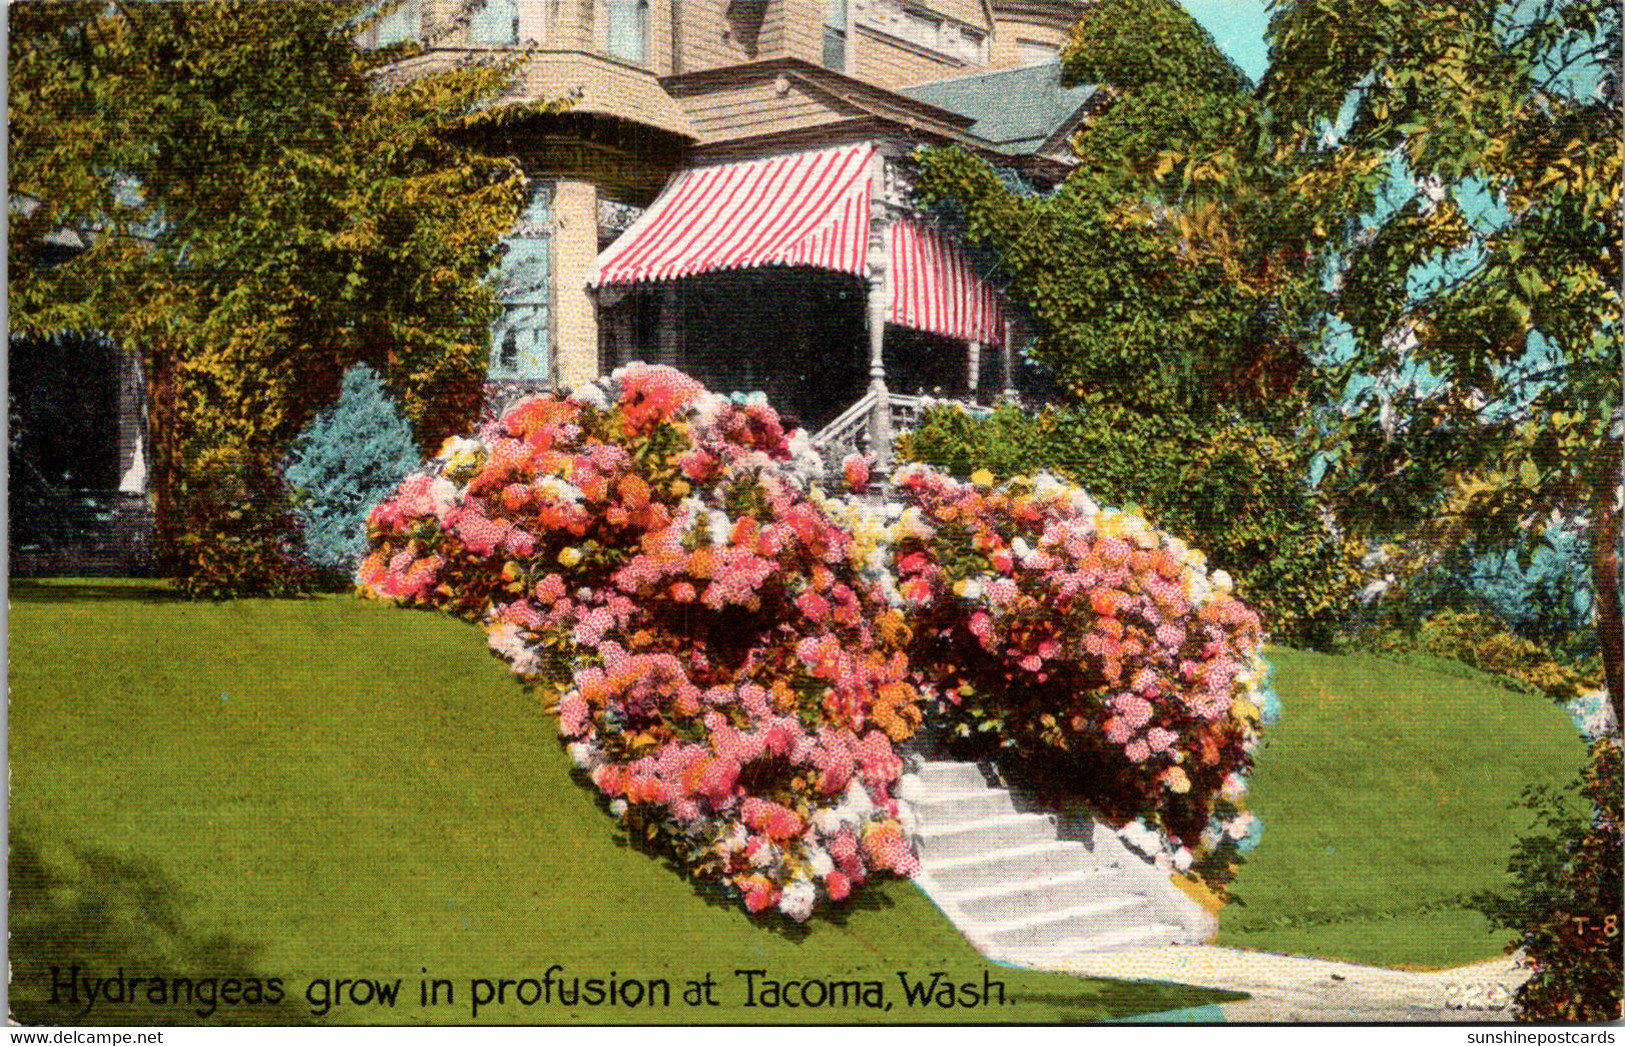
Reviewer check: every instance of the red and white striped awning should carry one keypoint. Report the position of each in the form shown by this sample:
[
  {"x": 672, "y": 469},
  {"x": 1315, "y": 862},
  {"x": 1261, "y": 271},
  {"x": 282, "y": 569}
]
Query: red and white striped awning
[
  {"x": 935, "y": 289},
  {"x": 808, "y": 210}
]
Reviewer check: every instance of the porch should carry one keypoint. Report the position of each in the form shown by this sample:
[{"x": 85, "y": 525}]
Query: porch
[{"x": 813, "y": 278}]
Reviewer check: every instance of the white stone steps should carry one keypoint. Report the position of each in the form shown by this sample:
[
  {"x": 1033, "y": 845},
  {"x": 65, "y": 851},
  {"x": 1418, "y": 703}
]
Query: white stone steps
[
  {"x": 961, "y": 807},
  {"x": 979, "y": 837},
  {"x": 1012, "y": 900},
  {"x": 1055, "y": 857},
  {"x": 1021, "y": 894},
  {"x": 946, "y": 776},
  {"x": 1047, "y": 928}
]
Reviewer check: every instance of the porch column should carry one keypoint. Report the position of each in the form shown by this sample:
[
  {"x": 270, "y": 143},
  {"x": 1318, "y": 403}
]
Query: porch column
[
  {"x": 575, "y": 311},
  {"x": 880, "y": 433},
  {"x": 1007, "y": 362},
  {"x": 973, "y": 367}
]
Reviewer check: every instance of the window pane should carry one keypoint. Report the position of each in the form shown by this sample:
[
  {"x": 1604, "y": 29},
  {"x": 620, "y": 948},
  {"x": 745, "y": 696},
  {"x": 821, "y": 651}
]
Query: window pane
[
  {"x": 628, "y": 28},
  {"x": 834, "y": 49},
  {"x": 495, "y": 23}
]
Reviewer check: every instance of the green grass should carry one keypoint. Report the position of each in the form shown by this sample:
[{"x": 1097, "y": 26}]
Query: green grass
[
  {"x": 328, "y": 788},
  {"x": 1387, "y": 792}
]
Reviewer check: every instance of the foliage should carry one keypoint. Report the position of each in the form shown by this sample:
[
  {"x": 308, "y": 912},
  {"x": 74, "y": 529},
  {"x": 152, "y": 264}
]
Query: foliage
[
  {"x": 1480, "y": 284},
  {"x": 1082, "y": 640},
  {"x": 732, "y": 644},
  {"x": 1566, "y": 894},
  {"x": 254, "y": 210},
  {"x": 1168, "y": 272},
  {"x": 732, "y": 680},
  {"x": 1227, "y": 485},
  {"x": 236, "y": 534},
  {"x": 344, "y": 462},
  {"x": 1479, "y": 640}
]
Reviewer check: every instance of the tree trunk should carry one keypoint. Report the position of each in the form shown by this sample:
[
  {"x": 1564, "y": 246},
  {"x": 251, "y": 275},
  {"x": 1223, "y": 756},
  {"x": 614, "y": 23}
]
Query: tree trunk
[{"x": 1605, "y": 578}]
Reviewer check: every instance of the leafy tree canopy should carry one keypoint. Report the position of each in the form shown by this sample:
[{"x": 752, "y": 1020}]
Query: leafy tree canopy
[
  {"x": 1168, "y": 272},
  {"x": 248, "y": 205},
  {"x": 1480, "y": 278}
]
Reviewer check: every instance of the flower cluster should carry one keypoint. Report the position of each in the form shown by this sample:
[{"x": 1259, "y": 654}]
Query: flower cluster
[
  {"x": 729, "y": 673},
  {"x": 1103, "y": 650}
]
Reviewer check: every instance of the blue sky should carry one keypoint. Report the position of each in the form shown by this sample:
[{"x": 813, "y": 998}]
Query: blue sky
[{"x": 1238, "y": 26}]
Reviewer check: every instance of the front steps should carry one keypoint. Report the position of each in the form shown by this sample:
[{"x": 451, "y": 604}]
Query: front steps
[{"x": 1021, "y": 894}]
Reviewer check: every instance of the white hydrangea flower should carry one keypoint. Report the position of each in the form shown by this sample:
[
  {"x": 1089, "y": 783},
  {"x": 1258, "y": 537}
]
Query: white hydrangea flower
[
  {"x": 819, "y": 860},
  {"x": 618, "y": 807},
  {"x": 798, "y": 898}
]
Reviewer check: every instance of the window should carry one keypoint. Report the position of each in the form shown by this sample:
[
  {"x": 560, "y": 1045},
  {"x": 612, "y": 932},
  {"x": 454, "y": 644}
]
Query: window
[
  {"x": 508, "y": 356},
  {"x": 629, "y": 30},
  {"x": 925, "y": 28},
  {"x": 496, "y": 22},
  {"x": 835, "y": 36},
  {"x": 1035, "y": 52}
]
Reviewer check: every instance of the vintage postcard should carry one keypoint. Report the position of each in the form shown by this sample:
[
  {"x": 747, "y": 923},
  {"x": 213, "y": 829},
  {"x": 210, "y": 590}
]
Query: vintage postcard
[{"x": 847, "y": 512}]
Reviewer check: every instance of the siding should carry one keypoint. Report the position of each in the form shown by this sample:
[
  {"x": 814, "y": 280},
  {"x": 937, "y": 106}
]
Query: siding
[
  {"x": 757, "y": 108},
  {"x": 1011, "y": 33},
  {"x": 879, "y": 60},
  {"x": 710, "y": 38}
]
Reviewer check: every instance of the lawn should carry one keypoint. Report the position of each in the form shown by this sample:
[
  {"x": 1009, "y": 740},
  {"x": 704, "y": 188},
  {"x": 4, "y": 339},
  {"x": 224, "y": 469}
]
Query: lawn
[
  {"x": 320, "y": 789},
  {"x": 1387, "y": 792}
]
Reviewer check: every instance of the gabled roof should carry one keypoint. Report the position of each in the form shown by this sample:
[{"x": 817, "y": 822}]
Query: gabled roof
[{"x": 1017, "y": 111}]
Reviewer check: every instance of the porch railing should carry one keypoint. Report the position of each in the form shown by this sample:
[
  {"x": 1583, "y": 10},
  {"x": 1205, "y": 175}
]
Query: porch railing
[{"x": 849, "y": 432}]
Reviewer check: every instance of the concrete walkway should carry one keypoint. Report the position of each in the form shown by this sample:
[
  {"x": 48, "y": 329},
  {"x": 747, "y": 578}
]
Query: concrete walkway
[{"x": 1287, "y": 988}]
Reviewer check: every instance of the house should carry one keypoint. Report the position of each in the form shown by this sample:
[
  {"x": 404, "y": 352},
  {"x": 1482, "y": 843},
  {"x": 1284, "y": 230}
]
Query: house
[
  {"x": 730, "y": 193},
  {"x": 730, "y": 190}
]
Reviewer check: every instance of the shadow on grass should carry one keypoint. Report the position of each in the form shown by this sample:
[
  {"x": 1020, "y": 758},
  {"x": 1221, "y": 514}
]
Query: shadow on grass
[
  {"x": 98, "y": 920},
  {"x": 77, "y": 590}
]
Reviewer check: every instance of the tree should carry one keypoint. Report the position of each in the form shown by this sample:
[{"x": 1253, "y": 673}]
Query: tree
[
  {"x": 257, "y": 209},
  {"x": 1480, "y": 280},
  {"x": 1168, "y": 271}
]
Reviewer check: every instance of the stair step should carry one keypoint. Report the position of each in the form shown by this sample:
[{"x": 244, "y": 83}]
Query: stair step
[
  {"x": 1081, "y": 921},
  {"x": 948, "y": 808},
  {"x": 1010, "y": 831},
  {"x": 954, "y": 776},
  {"x": 1018, "y": 898},
  {"x": 1054, "y": 857}
]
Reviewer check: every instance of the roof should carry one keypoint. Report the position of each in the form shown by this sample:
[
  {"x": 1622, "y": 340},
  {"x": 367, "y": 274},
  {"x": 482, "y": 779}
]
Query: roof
[
  {"x": 1017, "y": 111},
  {"x": 595, "y": 84}
]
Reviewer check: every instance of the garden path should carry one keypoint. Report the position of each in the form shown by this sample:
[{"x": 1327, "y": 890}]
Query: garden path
[{"x": 1296, "y": 988}]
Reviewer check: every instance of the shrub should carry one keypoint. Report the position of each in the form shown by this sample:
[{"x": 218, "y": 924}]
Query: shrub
[
  {"x": 1482, "y": 641},
  {"x": 732, "y": 679},
  {"x": 345, "y": 461},
  {"x": 1565, "y": 903},
  {"x": 1228, "y": 486},
  {"x": 730, "y": 646},
  {"x": 1099, "y": 656},
  {"x": 233, "y": 533}
]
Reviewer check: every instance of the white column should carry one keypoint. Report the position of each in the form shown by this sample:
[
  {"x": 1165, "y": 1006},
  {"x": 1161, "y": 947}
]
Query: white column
[
  {"x": 880, "y": 434},
  {"x": 973, "y": 366},
  {"x": 575, "y": 312},
  {"x": 1008, "y": 361}
]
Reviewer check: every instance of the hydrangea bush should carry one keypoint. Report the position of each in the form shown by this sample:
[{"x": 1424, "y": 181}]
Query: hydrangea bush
[
  {"x": 1100, "y": 650},
  {"x": 731, "y": 678},
  {"x": 736, "y": 653}
]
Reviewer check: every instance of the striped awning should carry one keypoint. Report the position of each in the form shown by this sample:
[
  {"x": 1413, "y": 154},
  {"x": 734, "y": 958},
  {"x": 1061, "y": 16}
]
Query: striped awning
[
  {"x": 935, "y": 289},
  {"x": 807, "y": 210}
]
